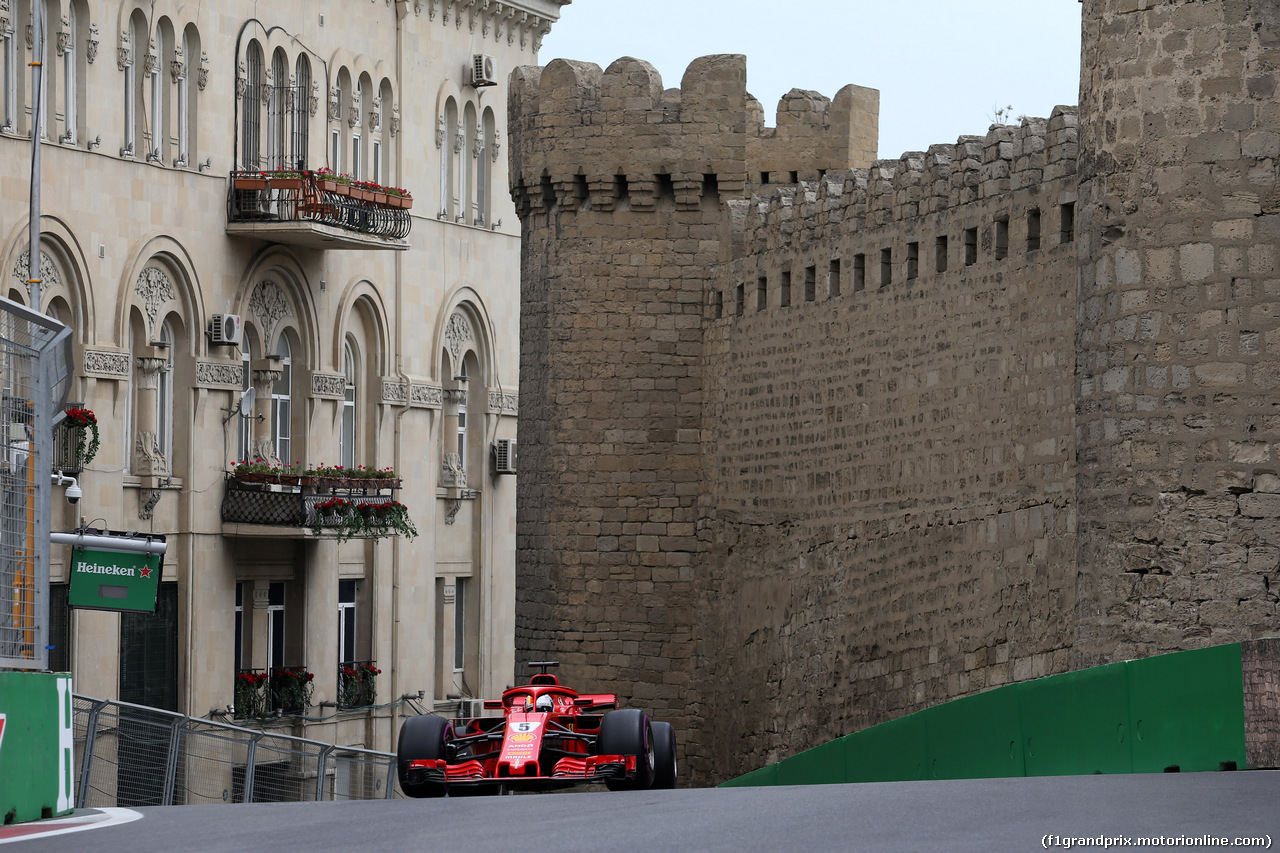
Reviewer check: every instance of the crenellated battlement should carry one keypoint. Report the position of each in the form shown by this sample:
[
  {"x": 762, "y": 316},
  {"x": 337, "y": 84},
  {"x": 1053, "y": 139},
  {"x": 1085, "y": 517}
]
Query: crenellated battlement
[
  {"x": 1010, "y": 158},
  {"x": 616, "y": 139}
]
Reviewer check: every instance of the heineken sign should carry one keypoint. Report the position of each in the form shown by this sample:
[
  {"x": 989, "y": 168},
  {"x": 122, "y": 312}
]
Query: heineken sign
[{"x": 114, "y": 580}]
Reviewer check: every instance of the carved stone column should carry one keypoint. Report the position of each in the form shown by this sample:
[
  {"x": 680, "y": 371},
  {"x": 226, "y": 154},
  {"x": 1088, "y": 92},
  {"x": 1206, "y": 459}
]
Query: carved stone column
[
  {"x": 149, "y": 461},
  {"x": 266, "y": 372},
  {"x": 452, "y": 472}
]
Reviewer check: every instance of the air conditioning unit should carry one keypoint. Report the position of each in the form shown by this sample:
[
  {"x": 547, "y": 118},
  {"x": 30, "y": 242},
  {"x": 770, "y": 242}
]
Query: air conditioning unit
[
  {"x": 471, "y": 708},
  {"x": 504, "y": 456},
  {"x": 225, "y": 329},
  {"x": 484, "y": 71}
]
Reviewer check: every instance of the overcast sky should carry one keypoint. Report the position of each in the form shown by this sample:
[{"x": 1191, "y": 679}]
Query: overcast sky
[{"x": 942, "y": 66}]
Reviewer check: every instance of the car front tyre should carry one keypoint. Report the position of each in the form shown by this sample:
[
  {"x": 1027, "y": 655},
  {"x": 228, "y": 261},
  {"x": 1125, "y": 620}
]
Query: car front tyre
[
  {"x": 628, "y": 732},
  {"x": 422, "y": 738}
]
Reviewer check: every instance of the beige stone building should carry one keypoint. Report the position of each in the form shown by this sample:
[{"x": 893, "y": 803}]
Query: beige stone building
[{"x": 371, "y": 335}]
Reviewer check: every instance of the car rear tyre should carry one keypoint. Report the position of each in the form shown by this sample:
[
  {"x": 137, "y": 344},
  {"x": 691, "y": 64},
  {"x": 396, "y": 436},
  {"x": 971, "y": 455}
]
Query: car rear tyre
[
  {"x": 664, "y": 755},
  {"x": 628, "y": 732},
  {"x": 421, "y": 739}
]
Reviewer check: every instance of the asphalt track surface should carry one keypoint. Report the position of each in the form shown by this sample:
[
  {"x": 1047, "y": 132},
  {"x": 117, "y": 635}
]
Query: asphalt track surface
[{"x": 966, "y": 815}]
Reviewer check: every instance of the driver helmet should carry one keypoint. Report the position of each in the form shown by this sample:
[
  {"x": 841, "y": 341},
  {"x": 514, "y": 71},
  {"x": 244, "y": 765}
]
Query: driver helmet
[{"x": 544, "y": 703}]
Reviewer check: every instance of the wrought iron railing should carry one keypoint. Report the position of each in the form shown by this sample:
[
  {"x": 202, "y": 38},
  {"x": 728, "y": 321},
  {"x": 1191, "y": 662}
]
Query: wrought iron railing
[
  {"x": 357, "y": 683},
  {"x": 282, "y": 505},
  {"x": 285, "y": 690},
  {"x": 310, "y": 197}
]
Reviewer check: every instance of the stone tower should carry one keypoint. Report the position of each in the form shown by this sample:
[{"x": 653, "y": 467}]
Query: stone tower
[
  {"x": 1178, "y": 326},
  {"x": 620, "y": 188}
]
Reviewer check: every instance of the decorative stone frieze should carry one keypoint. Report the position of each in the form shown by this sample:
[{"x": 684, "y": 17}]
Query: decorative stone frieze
[
  {"x": 330, "y": 386},
  {"x": 219, "y": 374},
  {"x": 103, "y": 364}
]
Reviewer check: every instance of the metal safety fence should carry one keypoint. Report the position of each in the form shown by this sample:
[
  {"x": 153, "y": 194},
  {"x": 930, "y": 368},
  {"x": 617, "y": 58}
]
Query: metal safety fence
[
  {"x": 34, "y": 359},
  {"x": 131, "y": 755}
]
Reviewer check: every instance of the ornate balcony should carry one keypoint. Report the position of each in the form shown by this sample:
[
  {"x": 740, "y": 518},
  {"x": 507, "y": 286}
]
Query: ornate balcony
[
  {"x": 357, "y": 684},
  {"x": 298, "y": 507},
  {"x": 315, "y": 211}
]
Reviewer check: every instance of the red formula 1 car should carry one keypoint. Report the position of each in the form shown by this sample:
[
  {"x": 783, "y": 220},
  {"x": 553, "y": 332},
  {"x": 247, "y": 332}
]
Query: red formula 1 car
[{"x": 549, "y": 736}]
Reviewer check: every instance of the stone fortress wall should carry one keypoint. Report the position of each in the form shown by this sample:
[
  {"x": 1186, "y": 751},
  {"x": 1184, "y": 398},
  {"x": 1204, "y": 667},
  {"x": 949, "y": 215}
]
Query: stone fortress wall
[{"x": 797, "y": 459}]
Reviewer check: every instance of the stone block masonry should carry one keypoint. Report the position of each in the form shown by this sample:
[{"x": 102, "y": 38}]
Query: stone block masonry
[{"x": 811, "y": 440}]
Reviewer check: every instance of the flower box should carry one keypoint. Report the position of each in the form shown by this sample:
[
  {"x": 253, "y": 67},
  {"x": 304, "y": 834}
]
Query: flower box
[
  {"x": 249, "y": 182},
  {"x": 379, "y": 198},
  {"x": 403, "y": 202},
  {"x": 286, "y": 183}
]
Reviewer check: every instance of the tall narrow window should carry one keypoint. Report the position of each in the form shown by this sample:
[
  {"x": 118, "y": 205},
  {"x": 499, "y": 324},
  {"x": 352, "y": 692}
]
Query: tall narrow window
[
  {"x": 739, "y": 299},
  {"x": 1067, "y": 225},
  {"x": 459, "y": 624},
  {"x": 301, "y": 113},
  {"x": 376, "y": 153},
  {"x": 485, "y": 174},
  {"x": 356, "y": 171},
  {"x": 131, "y": 92},
  {"x": 245, "y": 445},
  {"x": 184, "y": 106},
  {"x": 913, "y": 260},
  {"x": 462, "y": 418},
  {"x": 970, "y": 246},
  {"x": 11, "y": 83},
  {"x": 347, "y": 436},
  {"x": 275, "y": 625},
  {"x": 335, "y": 150},
  {"x": 157, "y": 114},
  {"x": 784, "y": 289},
  {"x": 833, "y": 279},
  {"x": 886, "y": 267},
  {"x": 469, "y": 159},
  {"x": 762, "y": 293},
  {"x": 1002, "y": 238},
  {"x": 164, "y": 395},
  {"x": 70, "y": 96},
  {"x": 446, "y": 136},
  {"x": 346, "y": 621},
  {"x": 277, "y": 157},
  {"x": 859, "y": 272},
  {"x": 1033, "y": 229},
  {"x": 251, "y": 111},
  {"x": 940, "y": 254},
  {"x": 810, "y": 283},
  {"x": 281, "y": 403}
]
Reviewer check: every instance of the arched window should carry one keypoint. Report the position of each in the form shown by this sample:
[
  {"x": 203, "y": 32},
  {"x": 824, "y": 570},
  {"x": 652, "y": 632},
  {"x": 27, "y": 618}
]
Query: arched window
[
  {"x": 133, "y": 90},
  {"x": 244, "y": 447},
  {"x": 160, "y": 91},
  {"x": 164, "y": 394},
  {"x": 251, "y": 113},
  {"x": 188, "y": 98},
  {"x": 448, "y": 160},
  {"x": 301, "y": 113},
  {"x": 277, "y": 117},
  {"x": 183, "y": 84},
  {"x": 357, "y": 154},
  {"x": 51, "y": 22},
  {"x": 70, "y": 94},
  {"x": 484, "y": 169},
  {"x": 462, "y": 415},
  {"x": 337, "y": 146},
  {"x": 281, "y": 408},
  {"x": 467, "y": 165},
  {"x": 347, "y": 435}
]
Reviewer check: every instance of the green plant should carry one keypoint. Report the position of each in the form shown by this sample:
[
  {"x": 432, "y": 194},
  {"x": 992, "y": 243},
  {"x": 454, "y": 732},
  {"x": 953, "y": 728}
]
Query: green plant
[
  {"x": 359, "y": 686},
  {"x": 292, "y": 688},
  {"x": 85, "y": 422},
  {"x": 372, "y": 519},
  {"x": 251, "y": 694}
]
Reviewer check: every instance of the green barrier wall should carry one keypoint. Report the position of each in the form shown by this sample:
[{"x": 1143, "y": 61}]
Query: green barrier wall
[
  {"x": 1183, "y": 710},
  {"x": 35, "y": 746}
]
